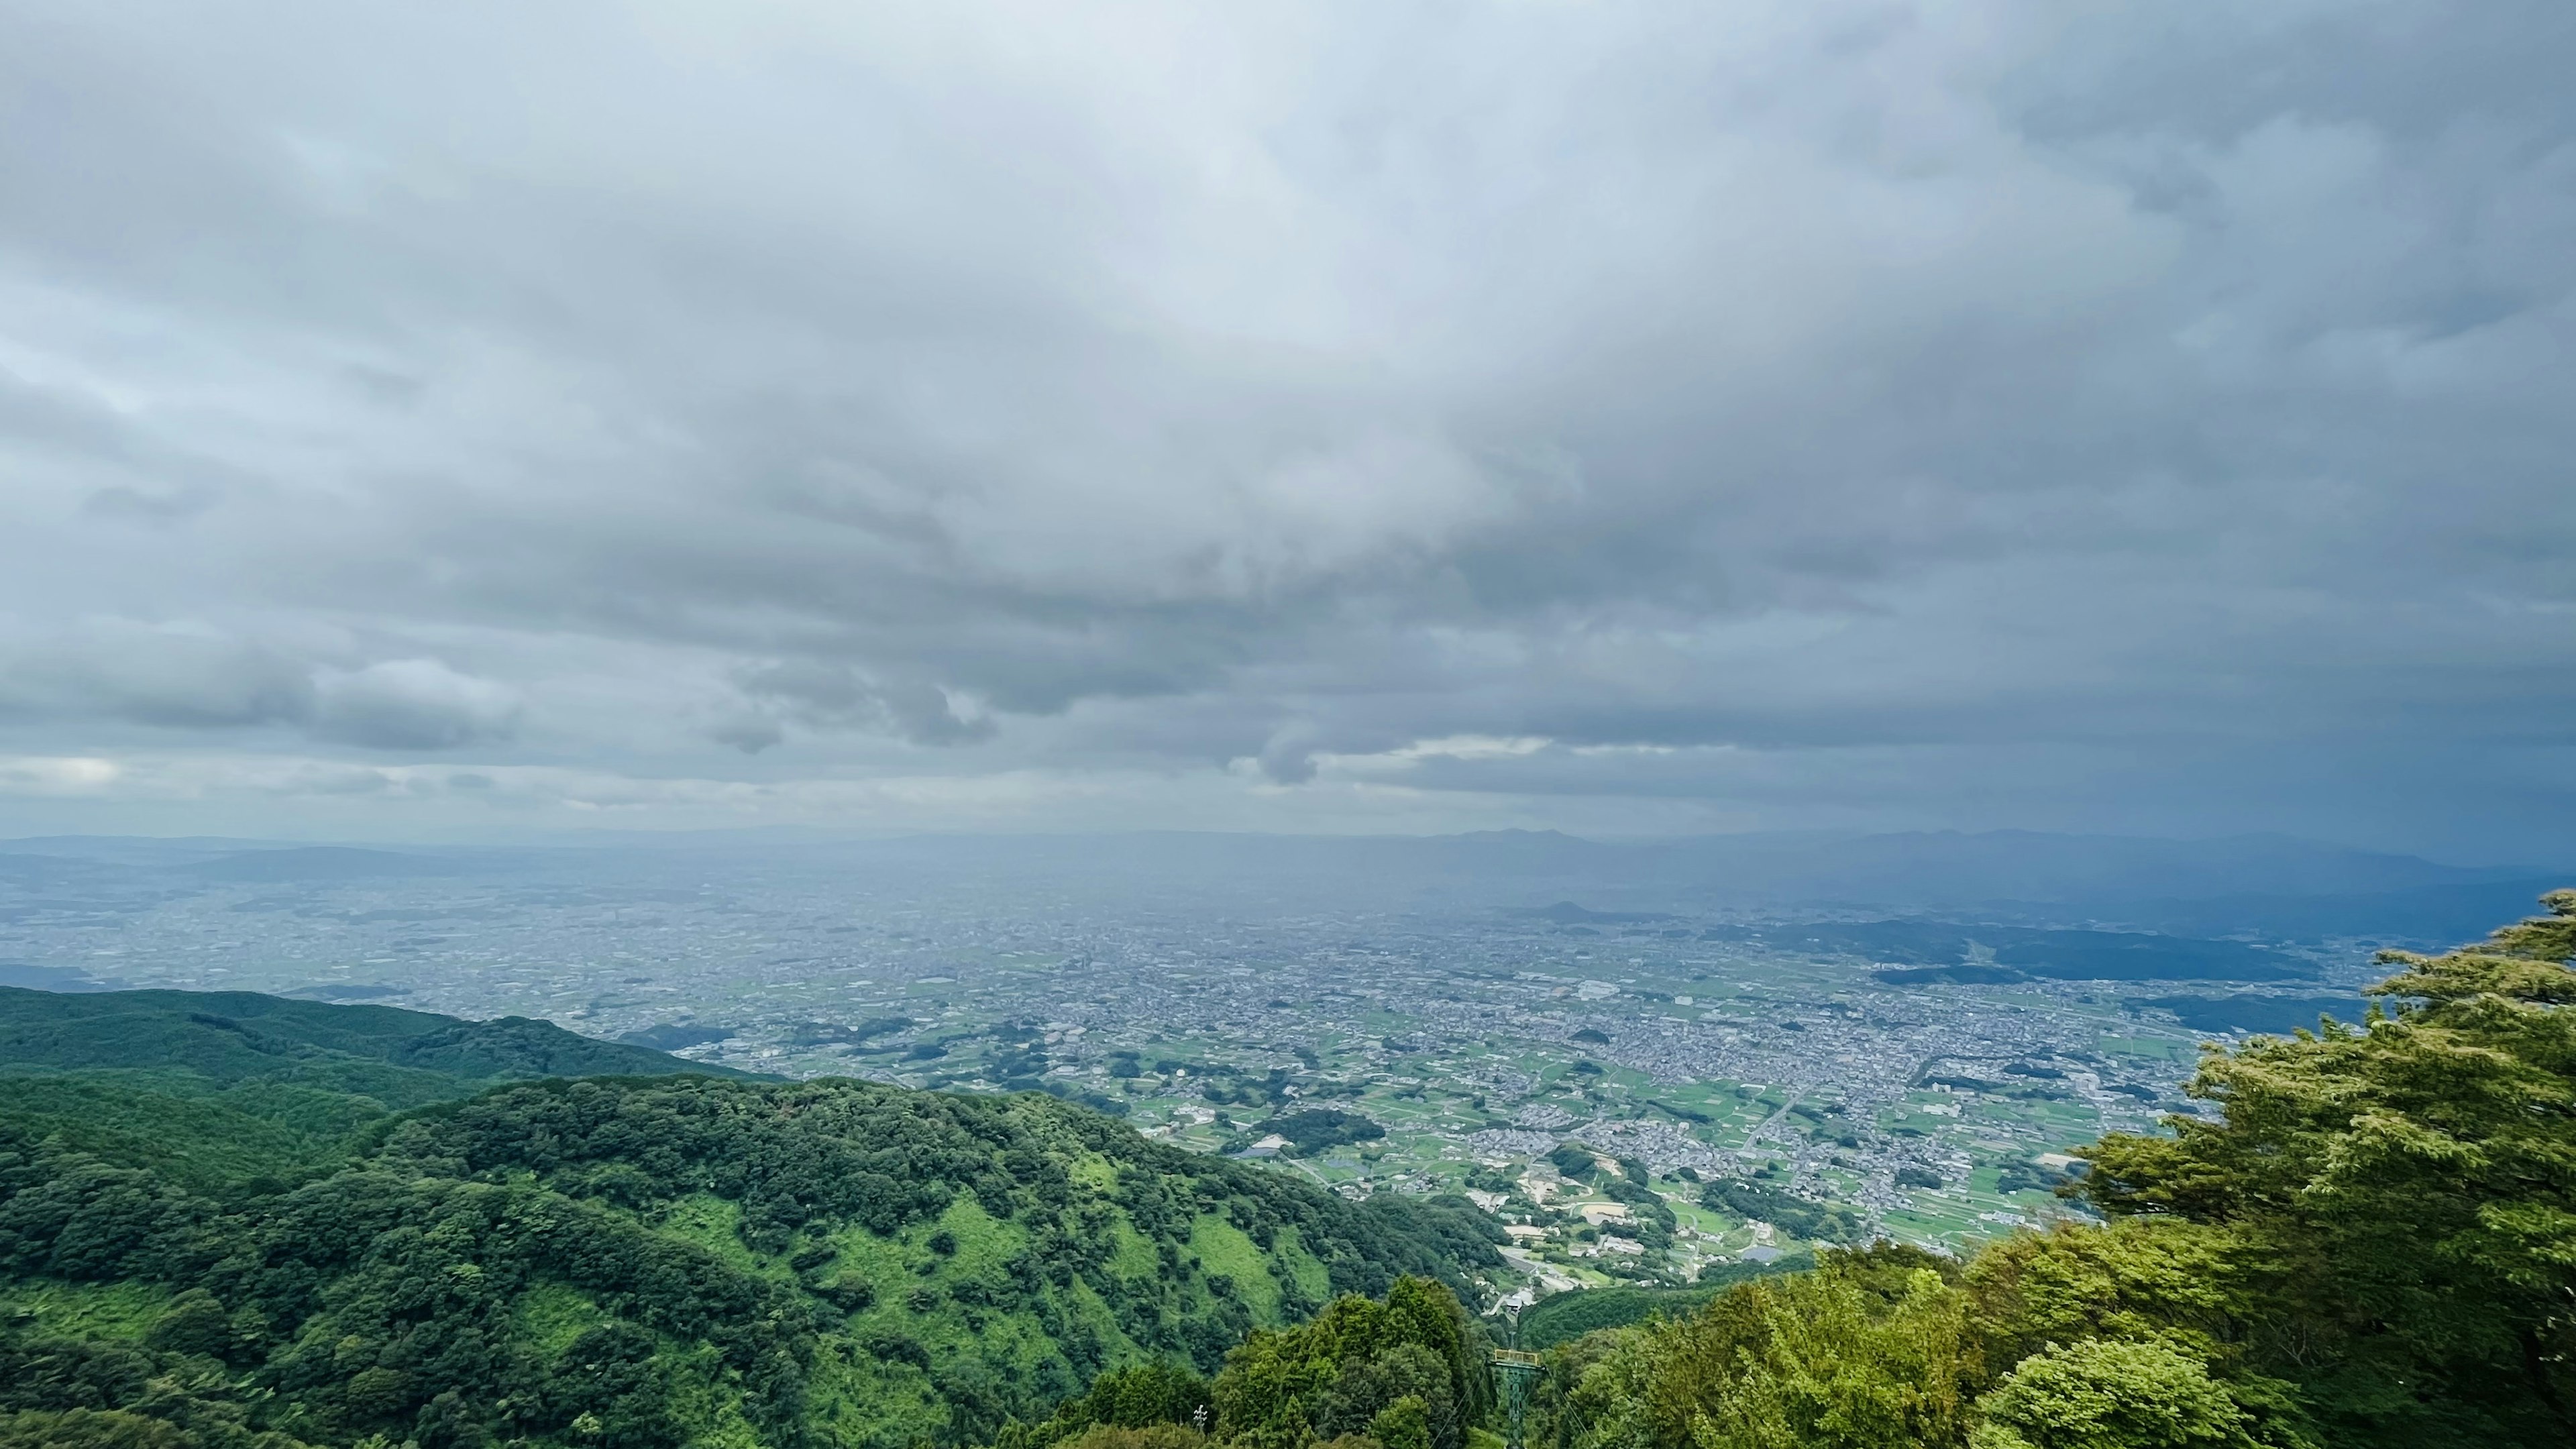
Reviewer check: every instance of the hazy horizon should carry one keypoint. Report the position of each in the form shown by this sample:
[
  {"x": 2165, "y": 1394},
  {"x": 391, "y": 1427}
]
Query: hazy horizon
[{"x": 495, "y": 838}]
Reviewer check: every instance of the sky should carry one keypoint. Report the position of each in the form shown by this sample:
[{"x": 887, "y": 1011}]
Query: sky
[{"x": 482, "y": 420}]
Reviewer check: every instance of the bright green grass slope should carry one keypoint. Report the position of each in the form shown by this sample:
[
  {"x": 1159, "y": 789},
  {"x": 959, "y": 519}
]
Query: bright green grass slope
[
  {"x": 634, "y": 1262},
  {"x": 236, "y": 1088}
]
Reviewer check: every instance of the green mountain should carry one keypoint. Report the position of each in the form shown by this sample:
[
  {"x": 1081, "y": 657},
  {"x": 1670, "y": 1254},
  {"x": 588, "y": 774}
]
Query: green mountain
[
  {"x": 217, "y": 1088},
  {"x": 403, "y": 1058},
  {"x": 214, "y": 1231}
]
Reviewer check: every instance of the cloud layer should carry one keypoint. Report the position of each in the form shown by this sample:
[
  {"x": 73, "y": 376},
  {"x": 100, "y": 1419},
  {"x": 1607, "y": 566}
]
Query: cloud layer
[{"x": 1834, "y": 413}]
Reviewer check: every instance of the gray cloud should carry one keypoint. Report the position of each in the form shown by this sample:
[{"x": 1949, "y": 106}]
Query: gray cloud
[
  {"x": 413, "y": 704},
  {"x": 195, "y": 679},
  {"x": 840, "y": 697},
  {"x": 1789, "y": 412},
  {"x": 171, "y": 678}
]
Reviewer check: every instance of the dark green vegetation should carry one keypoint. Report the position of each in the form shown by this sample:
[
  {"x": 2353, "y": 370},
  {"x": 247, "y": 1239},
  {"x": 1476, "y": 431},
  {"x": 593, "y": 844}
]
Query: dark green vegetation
[
  {"x": 217, "y": 1089},
  {"x": 815, "y": 1032},
  {"x": 674, "y": 1036},
  {"x": 1315, "y": 1129},
  {"x": 2376, "y": 1246},
  {"x": 238, "y": 1244},
  {"x": 229, "y": 1038},
  {"x": 1797, "y": 1216},
  {"x": 1573, "y": 1161},
  {"x": 1407, "y": 1371},
  {"x": 2278, "y": 1014},
  {"x": 1564, "y": 1317}
]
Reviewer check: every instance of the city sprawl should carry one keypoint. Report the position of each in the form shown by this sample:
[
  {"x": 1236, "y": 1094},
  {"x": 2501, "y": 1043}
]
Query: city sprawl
[{"x": 1636, "y": 1095}]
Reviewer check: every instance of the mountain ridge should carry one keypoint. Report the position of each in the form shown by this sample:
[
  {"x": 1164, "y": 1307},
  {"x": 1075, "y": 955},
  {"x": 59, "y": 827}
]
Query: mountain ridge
[{"x": 630, "y": 1262}]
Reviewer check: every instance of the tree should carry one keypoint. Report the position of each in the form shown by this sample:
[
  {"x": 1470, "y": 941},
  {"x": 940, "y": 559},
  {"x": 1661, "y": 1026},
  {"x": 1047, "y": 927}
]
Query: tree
[
  {"x": 1343, "y": 1373},
  {"x": 89, "y": 1429},
  {"x": 2397, "y": 1197},
  {"x": 2103, "y": 1394},
  {"x": 1870, "y": 1351}
]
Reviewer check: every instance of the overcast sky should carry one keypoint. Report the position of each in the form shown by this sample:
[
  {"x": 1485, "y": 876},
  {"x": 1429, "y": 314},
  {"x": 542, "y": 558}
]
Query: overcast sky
[{"x": 1632, "y": 418}]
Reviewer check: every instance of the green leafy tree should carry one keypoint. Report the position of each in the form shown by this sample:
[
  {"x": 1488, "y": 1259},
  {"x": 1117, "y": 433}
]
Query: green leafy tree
[
  {"x": 2397, "y": 1199},
  {"x": 2146, "y": 1278},
  {"x": 2105, "y": 1394},
  {"x": 1141, "y": 1436},
  {"x": 1403, "y": 1424},
  {"x": 1870, "y": 1351},
  {"x": 1339, "y": 1374},
  {"x": 1138, "y": 1396},
  {"x": 195, "y": 1323},
  {"x": 91, "y": 1429}
]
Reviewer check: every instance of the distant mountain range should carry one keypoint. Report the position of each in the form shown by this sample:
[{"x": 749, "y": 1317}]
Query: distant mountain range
[{"x": 2267, "y": 885}]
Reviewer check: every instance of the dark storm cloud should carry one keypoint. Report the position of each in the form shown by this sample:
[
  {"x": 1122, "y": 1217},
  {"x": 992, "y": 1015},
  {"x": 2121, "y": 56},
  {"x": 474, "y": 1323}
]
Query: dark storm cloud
[{"x": 1799, "y": 406}]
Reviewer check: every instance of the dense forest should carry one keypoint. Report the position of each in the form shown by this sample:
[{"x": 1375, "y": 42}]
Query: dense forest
[
  {"x": 2372, "y": 1242},
  {"x": 222, "y": 1089},
  {"x": 197, "y": 1251}
]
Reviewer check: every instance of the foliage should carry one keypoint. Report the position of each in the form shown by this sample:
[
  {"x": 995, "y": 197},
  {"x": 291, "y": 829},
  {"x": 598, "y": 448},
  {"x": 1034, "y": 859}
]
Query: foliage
[
  {"x": 2398, "y": 1198},
  {"x": 222, "y": 1039},
  {"x": 1727, "y": 1275},
  {"x": 1143, "y": 1436},
  {"x": 2029, "y": 1177},
  {"x": 1140, "y": 1396},
  {"x": 637, "y": 1263},
  {"x": 1794, "y": 1215},
  {"x": 1563, "y": 1317},
  {"x": 1316, "y": 1128},
  {"x": 2104, "y": 1394},
  {"x": 1868, "y": 1350},
  {"x": 1651, "y": 1219},
  {"x": 235, "y": 1091},
  {"x": 1412, "y": 1365}
]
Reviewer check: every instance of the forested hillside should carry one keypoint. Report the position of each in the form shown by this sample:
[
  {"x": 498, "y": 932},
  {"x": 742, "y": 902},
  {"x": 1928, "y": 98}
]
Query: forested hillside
[
  {"x": 225, "y": 1038},
  {"x": 231, "y": 1088},
  {"x": 618, "y": 1262}
]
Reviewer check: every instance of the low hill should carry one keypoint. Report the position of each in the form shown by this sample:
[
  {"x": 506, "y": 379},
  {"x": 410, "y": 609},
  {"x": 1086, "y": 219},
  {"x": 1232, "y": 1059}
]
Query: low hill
[
  {"x": 319, "y": 863},
  {"x": 265, "y": 1086},
  {"x": 404, "y": 1058},
  {"x": 634, "y": 1261}
]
